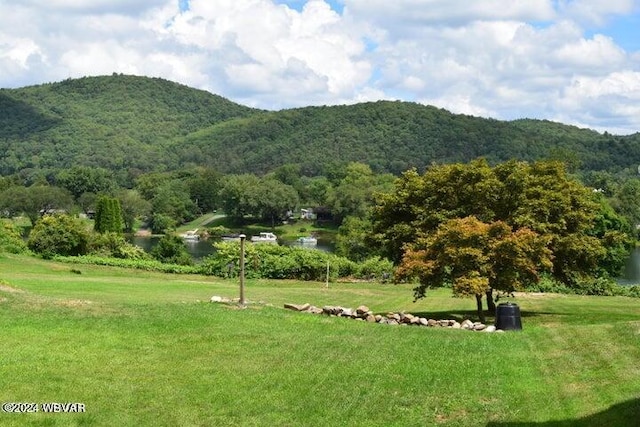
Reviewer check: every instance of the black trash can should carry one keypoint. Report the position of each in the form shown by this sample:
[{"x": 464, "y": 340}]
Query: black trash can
[{"x": 508, "y": 317}]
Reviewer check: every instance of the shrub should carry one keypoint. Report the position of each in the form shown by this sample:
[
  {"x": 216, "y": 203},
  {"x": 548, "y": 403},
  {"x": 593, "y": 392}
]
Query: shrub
[
  {"x": 114, "y": 245},
  {"x": 276, "y": 262},
  {"x": 10, "y": 238},
  {"x": 59, "y": 235},
  {"x": 171, "y": 249}
]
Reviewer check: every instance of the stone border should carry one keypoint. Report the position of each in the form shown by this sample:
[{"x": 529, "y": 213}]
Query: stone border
[{"x": 362, "y": 313}]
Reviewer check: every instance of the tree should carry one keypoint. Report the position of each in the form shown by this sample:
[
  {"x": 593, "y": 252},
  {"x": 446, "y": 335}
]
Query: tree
[
  {"x": 59, "y": 234},
  {"x": 275, "y": 200},
  {"x": 34, "y": 201},
  {"x": 173, "y": 199},
  {"x": 475, "y": 257},
  {"x": 203, "y": 189},
  {"x": 133, "y": 206},
  {"x": 108, "y": 216},
  {"x": 354, "y": 194},
  {"x": 239, "y": 195},
  {"x": 83, "y": 179},
  {"x": 352, "y": 240},
  {"x": 540, "y": 197}
]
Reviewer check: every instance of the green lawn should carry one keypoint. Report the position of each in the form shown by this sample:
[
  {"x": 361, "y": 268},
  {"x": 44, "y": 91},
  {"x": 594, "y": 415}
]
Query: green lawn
[{"x": 140, "y": 348}]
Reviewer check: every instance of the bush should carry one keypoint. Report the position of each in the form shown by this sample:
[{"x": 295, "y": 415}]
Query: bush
[
  {"x": 171, "y": 249},
  {"x": 114, "y": 245},
  {"x": 376, "y": 268},
  {"x": 59, "y": 235},
  {"x": 10, "y": 238},
  {"x": 276, "y": 262}
]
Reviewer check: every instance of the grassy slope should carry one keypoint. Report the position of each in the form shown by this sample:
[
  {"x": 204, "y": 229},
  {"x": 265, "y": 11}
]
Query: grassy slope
[{"x": 147, "y": 349}]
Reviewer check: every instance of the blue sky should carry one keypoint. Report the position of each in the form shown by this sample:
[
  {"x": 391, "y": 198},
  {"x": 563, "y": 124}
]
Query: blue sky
[{"x": 572, "y": 61}]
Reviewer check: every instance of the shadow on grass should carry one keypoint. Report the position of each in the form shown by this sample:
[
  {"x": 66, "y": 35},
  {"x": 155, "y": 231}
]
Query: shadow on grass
[
  {"x": 622, "y": 414},
  {"x": 461, "y": 315}
]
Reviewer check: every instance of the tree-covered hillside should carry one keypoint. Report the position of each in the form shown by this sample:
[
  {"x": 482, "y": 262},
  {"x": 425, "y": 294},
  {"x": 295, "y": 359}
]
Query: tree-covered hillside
[
  {"x": 132, "y": 125},
  {"x": 117, "y": 122},
  {"x": 394, "y": 136}
]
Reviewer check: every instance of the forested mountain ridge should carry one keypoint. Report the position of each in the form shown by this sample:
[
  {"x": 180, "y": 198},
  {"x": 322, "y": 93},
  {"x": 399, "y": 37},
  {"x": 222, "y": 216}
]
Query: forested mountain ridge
[
  {"x": 394, "y": 136},
  {"x": 116, "y": 122},
  {"x": 134, "y": 124}
]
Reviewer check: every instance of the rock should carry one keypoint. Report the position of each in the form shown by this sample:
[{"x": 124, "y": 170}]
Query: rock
[
  {"x": 371, "y": 318},
  {"x": 432, "y": 322},
  {"x": 467, "y": 324},
  {"x": 314, "y": 310},
  {"x": 297, "y": 307},
  {"x": 362, "y": 310},
  {"x": 392, "y": 322},
  {"x": 423, "y": 321},
  {"x": 490, "y": 328},
  {"x": 456, "y": 325},
  {"x": 406, "y": 318},
  {"x": 443, "y": 323},
  {"x": 217, "y": 298},
  {"x": 479, "y": 326},
  {"x": 378, "y": 317},
  {"x": 346, "y": 312}
]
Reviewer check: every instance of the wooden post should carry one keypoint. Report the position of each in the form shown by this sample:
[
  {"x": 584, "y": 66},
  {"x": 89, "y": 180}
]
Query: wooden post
[
  {"x": 242, "y": 238},
  {"x": 327, "y": 282}
]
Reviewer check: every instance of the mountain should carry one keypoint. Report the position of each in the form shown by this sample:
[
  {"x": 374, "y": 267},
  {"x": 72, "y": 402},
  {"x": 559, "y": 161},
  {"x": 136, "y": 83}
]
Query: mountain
[
  {"x": 135, "y": 124},
  {"x": 116, "y": 122}
]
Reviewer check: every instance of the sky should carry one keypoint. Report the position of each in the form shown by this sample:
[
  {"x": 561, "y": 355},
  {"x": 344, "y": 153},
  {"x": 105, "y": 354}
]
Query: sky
[{"x": 571, "y": 61}]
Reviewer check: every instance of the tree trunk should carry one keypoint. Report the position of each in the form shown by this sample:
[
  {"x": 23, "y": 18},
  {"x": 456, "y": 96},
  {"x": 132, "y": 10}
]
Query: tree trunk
[
  {"x": 479, "y": 305},
  {"x": 491, "y": 305}
]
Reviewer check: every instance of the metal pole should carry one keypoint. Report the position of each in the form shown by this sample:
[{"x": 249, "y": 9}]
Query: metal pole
[{"x": 242, "y": 301}]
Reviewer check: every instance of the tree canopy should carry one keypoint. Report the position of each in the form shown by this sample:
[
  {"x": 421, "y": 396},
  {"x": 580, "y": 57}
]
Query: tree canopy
[{"x": 515, "y": 206}]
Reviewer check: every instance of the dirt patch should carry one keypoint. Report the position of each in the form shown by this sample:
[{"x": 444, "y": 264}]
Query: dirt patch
[
  {"x": 74, "y": 303},
  {"x": 11, "y": 290}
]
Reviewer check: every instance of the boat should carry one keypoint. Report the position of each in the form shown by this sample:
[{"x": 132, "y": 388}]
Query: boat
[
  {"x": 265, "y": 237},
  {"x": 308, "y": 240},
  {"x": 190, "y": 235}
]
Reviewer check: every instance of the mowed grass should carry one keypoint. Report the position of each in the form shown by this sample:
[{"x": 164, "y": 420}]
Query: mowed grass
[{"x": 141, "y": 348}]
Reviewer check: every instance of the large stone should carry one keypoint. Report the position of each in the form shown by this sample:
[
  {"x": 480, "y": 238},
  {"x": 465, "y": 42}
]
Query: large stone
[
  {"x": 490, "y": 328},
  {"x": 314, "y": 310},
  {"x": 296, "y": 307},
  {"x": 467, "y": 324},
  {"x": 432, "y": 322},
  {"x": 362, "y": 310},
  {"x": 371, "y": 318},
  {"x": 424, "y": 322},
  {"x": 346, "y": 312}
]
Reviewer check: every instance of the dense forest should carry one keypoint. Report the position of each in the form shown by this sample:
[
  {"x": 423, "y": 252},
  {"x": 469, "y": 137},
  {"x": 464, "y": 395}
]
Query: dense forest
[{"x": 134, "y": 125}]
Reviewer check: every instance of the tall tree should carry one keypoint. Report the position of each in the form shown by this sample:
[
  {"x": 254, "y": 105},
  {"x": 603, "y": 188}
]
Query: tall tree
[{"x": 108, "y": 216}]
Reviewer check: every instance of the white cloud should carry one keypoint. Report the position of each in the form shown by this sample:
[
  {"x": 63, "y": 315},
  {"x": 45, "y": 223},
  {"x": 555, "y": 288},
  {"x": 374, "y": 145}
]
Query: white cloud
[{"x": 521, "y": 58}]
